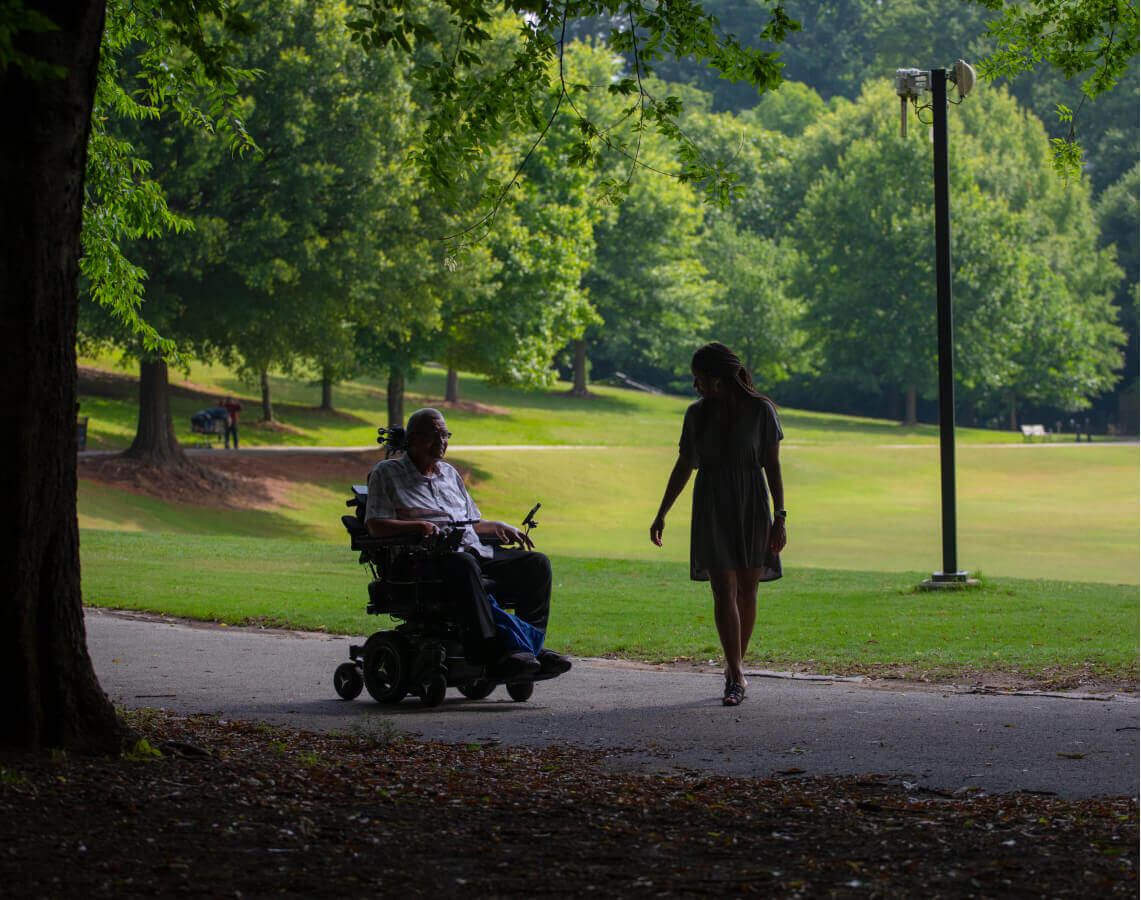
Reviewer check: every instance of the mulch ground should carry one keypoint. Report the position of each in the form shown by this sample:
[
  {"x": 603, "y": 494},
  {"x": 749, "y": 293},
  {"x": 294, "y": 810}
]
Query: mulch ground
[{"x": 243, "y": 809}]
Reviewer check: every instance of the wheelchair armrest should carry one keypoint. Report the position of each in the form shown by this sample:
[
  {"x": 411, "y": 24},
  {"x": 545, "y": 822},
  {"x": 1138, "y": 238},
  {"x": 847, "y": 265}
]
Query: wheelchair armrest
[
  {"x": 371, "y": 544},
  {"x": 363, "y": 541}
]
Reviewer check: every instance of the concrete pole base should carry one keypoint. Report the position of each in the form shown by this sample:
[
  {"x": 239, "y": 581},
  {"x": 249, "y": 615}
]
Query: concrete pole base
[{"x": 949, "y": 581}]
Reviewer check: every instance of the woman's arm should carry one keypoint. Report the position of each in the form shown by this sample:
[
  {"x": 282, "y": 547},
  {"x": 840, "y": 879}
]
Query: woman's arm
[
  {"x": 678, "y": 479},
  {"x": 776, "y": 487}
]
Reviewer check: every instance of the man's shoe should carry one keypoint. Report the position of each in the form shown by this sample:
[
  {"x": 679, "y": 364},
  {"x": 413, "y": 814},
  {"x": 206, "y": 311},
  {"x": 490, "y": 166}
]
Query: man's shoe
[
  {"x": 511, "y": 666},
  {"x": 552, "y": 663}
]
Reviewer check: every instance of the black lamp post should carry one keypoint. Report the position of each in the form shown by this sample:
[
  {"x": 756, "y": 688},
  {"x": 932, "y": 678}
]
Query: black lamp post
[{"x": 909, "y": 84}]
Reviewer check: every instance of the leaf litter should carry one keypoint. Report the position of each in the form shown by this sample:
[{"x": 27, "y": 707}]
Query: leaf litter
[{"x": 246, "y": 809}]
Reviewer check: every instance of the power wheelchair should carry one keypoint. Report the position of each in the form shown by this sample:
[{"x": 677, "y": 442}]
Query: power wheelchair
[{"x": 423, "y": 655}]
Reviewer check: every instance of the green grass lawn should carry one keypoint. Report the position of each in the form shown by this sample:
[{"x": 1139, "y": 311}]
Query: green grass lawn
[
  {"x": 1053, "y": 530},
  {"x": 1062, "y": 513},
  {"x": 825, "y": 619}
]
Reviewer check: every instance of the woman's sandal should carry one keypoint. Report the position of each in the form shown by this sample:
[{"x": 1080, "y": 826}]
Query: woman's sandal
[{"x": 734, "y": 694}]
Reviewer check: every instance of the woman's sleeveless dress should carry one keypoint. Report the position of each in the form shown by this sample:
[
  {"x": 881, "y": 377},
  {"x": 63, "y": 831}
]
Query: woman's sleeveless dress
[{"x": 731, "y": 519}]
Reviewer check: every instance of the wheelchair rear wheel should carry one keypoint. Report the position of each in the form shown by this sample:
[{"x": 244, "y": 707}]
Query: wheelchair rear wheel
[{"x": 386, "y": 668}]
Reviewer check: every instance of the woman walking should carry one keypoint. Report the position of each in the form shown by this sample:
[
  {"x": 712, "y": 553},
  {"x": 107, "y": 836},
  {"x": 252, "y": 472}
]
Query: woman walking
[{"x": 731, "y": 436}]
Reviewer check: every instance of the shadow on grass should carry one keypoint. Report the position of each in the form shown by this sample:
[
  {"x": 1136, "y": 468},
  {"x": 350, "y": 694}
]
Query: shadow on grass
[{"x": 149, "y": 515}]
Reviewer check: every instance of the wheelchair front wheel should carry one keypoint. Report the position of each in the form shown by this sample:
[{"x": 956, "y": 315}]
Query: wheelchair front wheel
[
  {"x": 386, "y": 668},
  {"x": 520, "y": 690},
  {"x": 348, "y": 681},
  {"x": 477, "y": 688}
]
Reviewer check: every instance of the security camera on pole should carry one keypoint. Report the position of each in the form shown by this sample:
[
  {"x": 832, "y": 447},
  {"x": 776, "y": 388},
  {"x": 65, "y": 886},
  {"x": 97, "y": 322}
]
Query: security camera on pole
[{"x": 910, "y": 85}]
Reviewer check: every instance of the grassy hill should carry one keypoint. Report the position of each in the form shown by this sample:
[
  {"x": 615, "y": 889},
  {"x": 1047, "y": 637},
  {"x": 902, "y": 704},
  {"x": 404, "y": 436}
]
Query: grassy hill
[
  {"x": 485, "y": 414},
  {"x": 1053, "y": 529}
]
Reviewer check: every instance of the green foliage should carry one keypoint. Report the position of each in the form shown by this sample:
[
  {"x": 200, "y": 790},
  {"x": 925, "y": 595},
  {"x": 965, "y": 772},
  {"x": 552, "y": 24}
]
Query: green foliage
[
  {"x": 1117, "y": 211},
  {"x": 1090, "y": 39},
  {"x": 791, "y": 109},
  {"x": 15, "y": 780},
  {"x": 518, "y": 305},
  {"x": 291, "y": 249},
  {"x": 649, "y": 287},
  {"x": 15, "y": 17},
  {"x": 141, "y": 751},
  {"x": 756, "y": 303},
  {"x": 476, "y": 97},
  {"x": 1032, "y": 292},
  {"x": 155, "y": 56}
]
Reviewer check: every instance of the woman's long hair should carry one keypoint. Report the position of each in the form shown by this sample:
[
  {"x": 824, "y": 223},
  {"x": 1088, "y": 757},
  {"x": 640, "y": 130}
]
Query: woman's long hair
[{"x": 718, "y": 361}]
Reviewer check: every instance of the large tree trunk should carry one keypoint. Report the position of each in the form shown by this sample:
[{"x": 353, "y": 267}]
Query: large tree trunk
[
  {"x": 452, "y": 387},
  {"x": 579, "y": 389},
  {"x": 52, "y": 697},
  {"x": 911, "y": 416},
  {"x": 266, "y": 399},
  {"x": 326, "y": 393},
  {"x": 395, "y": 397},
  {"x": 1013, "y": 415},
  {"x": 155, "y": 443}
]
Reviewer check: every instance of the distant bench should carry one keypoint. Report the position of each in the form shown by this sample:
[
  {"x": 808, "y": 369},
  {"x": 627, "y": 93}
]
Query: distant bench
[{"x": 1032, "y": 431}]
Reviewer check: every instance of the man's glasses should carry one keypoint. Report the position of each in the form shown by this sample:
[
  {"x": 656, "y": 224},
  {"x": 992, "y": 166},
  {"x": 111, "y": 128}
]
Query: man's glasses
[{"x": 442, "y": 435}]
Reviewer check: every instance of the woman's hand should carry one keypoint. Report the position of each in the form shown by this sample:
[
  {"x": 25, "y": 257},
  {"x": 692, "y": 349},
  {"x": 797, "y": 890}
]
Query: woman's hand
[
  {"x": 656, "y": 529},
  {"x": 778, "y": 537}
]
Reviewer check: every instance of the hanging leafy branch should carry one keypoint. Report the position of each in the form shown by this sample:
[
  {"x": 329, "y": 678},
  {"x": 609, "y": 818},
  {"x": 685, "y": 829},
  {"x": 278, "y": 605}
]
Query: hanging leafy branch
[
  {"x": 1097, "y": 39},
  {"x": 155, "y": 56},
  {"x": 476, "y": 98}
]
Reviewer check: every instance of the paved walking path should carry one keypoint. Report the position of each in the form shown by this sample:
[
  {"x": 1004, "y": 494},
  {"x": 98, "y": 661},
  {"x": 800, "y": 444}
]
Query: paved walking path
[{"x": 655, "y": 719}]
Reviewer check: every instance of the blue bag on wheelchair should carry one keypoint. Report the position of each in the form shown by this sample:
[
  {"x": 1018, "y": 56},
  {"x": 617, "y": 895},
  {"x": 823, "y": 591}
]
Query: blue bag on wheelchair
[{"x": 514, "y": 632}]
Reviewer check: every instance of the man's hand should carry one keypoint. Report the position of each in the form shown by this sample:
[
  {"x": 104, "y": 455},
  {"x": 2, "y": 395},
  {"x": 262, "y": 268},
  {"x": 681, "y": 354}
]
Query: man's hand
[
  {"x": 426, "y": 529},
  {"x": 656, "y": 529},
  {"x": 504, "y": 533}
]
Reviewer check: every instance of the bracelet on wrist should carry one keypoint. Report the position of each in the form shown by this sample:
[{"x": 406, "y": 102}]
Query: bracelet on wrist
[{"x": 780, "y": 514}]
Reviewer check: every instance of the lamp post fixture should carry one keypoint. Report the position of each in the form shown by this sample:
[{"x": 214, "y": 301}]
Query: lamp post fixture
[{"x": 910, "y": 84}]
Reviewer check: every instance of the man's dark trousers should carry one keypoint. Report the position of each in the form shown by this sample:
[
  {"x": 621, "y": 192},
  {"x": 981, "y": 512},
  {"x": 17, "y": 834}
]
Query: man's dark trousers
[{"x": 522, "y": 583}]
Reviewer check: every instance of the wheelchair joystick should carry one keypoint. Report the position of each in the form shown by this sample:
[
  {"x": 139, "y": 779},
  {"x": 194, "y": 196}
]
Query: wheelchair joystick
[{"x": 529, "y": 521}]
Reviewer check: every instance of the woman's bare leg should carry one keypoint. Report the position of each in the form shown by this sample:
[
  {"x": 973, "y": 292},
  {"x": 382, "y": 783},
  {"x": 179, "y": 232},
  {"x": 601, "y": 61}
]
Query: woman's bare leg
[
  {"x": 728, "y": 619},
  {"x": 747, "y": 604},
  {"x": 746, "y": 600}
]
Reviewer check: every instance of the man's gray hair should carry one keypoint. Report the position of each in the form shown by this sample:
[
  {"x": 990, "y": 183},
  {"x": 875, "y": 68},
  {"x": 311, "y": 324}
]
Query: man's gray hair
[{"x": 423, "y": 415}]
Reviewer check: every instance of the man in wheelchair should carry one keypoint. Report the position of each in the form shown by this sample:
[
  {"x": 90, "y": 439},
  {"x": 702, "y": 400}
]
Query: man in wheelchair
[{"x": 418, "y": 494}]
